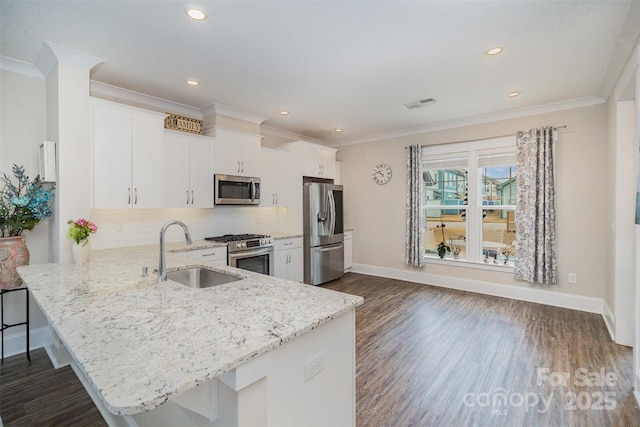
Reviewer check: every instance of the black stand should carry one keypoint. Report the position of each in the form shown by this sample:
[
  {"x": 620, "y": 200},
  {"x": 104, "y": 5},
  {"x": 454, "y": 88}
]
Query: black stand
[{"x": 7, "y": 326}]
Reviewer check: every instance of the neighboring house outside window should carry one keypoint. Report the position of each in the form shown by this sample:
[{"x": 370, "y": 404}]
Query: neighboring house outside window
[{"x": 470, "y": 187}]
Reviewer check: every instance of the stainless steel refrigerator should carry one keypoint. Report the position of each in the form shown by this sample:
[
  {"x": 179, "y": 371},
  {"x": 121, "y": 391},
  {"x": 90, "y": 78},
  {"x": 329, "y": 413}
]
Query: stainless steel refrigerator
[{"x": 323, "y": 233}]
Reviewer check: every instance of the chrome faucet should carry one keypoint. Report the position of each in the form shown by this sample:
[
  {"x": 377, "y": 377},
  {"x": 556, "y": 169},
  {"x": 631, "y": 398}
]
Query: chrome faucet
[{"x": 162, "y": 263}]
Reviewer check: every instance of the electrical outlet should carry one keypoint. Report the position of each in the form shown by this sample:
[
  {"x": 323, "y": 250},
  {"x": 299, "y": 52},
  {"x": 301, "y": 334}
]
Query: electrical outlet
[
  {"x": 572, "y": 278},
  {"x": 402, "y": 258},
  {"x": 313, "y": 366},
  {"x": 119, "y": 227}
]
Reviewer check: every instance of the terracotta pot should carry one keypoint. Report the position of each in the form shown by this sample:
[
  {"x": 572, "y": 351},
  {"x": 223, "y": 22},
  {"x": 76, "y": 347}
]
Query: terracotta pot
[{"x": 13, "y": 254}]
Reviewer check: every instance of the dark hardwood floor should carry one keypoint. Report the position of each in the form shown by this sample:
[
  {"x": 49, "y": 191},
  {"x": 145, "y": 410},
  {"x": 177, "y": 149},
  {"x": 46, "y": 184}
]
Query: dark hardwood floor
[
  {"x": 36, "y": 394},
  {"x": 426, "y": 356}
]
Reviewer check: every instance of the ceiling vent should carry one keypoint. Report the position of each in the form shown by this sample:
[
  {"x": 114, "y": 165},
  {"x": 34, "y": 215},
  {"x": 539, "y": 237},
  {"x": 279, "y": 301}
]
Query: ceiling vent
[{"x": 420, "y": 103}]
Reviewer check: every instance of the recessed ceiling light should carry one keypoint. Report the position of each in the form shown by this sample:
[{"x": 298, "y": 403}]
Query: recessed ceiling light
[
  {"x": 192, "y": 82},
  {"x": 196, "y": 13},
  {"x": 513, "y": 94},
  {"x": 494, "y": 51},
  {"x": 338, "y": 130},
  {"x": 284, "y": 113}
]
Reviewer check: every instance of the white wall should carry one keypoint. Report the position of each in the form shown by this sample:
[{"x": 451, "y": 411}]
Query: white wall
[
  {"x": 22, "y": 130},
  {"x": 142, "y": 226},
  {"x": 23, "y": 126},
  {"x": 377, "y": 213}
]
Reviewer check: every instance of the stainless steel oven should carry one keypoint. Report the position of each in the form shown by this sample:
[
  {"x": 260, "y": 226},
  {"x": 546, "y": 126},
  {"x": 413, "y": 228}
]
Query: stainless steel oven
[
  {"x": 253, "y": 252},
  {"x": 257, "y": 260}
]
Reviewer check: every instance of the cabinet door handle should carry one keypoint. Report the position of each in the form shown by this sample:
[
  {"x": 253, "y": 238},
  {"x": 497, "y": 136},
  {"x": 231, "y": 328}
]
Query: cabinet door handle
[
  {"x": 135, "y": 196},
  {"x": 192, "y": 198},
  {"x": 276, "y": 198},
  {"x": 129, "y": 199},
  {"x": 238, "y": 166},
  {"x": 242, "y": 163},
  {"x": 187, "y": 197}
]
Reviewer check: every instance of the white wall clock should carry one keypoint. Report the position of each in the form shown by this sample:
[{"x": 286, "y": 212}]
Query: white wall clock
[{"x": 381, "y": 173}]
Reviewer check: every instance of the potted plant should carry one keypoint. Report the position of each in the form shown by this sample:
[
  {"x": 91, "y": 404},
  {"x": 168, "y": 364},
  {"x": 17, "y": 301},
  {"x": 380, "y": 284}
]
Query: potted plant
[
  {"x": 79, "y": 232},
  {"x": 443, "y": 248},
  {"x": 23, "y": 205}
]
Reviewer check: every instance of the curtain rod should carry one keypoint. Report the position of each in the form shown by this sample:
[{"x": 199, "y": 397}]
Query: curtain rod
[{"x": 484, "y": 139}]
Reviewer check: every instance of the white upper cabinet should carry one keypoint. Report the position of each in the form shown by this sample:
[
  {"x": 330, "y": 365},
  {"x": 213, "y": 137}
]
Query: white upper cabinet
[
  {"x": 279, "y": 178},
  {"x": 318, "y": 161},
  {"x": 128, "y": 156},
  {"x": 188, "y": 177},
  {"x": 236, "y": 153}
]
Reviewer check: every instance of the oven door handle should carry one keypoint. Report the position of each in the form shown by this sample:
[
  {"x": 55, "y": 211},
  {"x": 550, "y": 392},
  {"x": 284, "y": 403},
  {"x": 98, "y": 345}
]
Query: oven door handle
[{"x": 252, "y": 252}]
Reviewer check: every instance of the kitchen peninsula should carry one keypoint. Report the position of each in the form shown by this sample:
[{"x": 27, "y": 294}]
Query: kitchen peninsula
[{"x": 259, "y": 351}]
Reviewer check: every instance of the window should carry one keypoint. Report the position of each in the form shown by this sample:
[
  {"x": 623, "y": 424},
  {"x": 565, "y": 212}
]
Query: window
[{"x": 470, "y": 187}]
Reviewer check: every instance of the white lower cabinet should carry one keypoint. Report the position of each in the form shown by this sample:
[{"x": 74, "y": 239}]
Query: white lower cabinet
[
  {"x": 288, "y": 263},
  {"x": 348, "y": 250},
  {"x": 216, "y": 256}
]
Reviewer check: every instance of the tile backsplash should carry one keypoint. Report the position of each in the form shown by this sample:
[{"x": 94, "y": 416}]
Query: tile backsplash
[{"x": 133, "y": 227}]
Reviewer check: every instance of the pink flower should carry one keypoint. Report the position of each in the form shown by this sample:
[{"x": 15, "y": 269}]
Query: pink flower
[
  {"x": 81, "y": 222},
  {"x": 92, "y": 227}
]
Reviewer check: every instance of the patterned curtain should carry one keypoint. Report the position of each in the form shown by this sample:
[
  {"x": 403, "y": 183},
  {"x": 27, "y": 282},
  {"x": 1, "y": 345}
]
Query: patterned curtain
[
  {"x": 535, "y": 207},
  {"x": 414, "y": 241}
]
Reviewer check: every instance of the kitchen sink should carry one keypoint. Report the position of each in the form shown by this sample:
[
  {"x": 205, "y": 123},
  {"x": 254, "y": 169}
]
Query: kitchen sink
[{"x": 200, "y": 277}]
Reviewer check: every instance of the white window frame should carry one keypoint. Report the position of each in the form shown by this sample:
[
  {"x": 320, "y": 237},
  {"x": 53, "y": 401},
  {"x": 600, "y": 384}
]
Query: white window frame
[{"x": 474, "y": 207}]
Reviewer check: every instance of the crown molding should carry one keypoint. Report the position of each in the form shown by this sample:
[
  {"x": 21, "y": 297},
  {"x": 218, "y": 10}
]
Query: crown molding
[
  {"x": 137, "y": 99},
  {"x": 212, "y": 131},
  {"x": 20, "y": 67},
  {"x": 235, "y": 113},
  {"x": 624, "y": 50},
  {"x": 52, "y": 53},
  {"x": 473, "y": 120},
  {"x": 271, "y": 131}
]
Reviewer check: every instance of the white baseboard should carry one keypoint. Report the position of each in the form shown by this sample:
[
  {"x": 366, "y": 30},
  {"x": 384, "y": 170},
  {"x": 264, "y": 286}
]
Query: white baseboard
[
  {"x": 16, "y": 343},
  {"x": 539, "y": 296}
]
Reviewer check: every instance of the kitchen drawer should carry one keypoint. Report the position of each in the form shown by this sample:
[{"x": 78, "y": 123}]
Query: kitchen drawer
[
  {"x": 284, "y": 244},
  {"x": 209, "y": 254}
]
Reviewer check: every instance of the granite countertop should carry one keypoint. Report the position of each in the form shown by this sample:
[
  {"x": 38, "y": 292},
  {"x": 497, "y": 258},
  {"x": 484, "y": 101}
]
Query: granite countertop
[
  {"x": 141, "y": 343},
  {"x": 284, "y": 235}
]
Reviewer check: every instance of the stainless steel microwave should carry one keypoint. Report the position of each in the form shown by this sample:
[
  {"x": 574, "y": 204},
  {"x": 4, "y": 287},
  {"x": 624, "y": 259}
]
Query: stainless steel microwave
[{"x": 236, "y": 190}]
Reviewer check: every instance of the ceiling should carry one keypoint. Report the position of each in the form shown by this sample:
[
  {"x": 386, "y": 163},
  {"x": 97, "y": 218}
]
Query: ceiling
[{"x": 341, "y": 64}]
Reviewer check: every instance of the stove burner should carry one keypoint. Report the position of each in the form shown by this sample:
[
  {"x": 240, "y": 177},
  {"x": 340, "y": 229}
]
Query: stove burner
[
  {"x": 243, "y": 242},
  {"x": 236, "y": 237}
]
